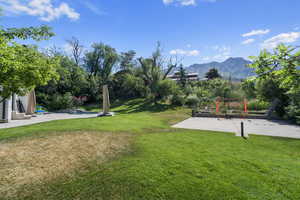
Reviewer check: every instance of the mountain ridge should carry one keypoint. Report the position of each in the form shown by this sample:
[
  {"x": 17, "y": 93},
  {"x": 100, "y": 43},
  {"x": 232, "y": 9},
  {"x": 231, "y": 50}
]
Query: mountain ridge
[{"x": 235, "y": 67}]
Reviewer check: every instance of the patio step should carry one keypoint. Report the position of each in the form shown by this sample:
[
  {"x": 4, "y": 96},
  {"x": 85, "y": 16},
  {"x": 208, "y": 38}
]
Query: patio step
[{"x": 20, "y": 116}]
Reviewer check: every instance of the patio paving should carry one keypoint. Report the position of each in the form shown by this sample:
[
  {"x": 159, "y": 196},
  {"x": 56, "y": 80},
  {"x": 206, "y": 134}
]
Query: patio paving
[
  {"x": 46, "y": 118},
  {"x": 252, "y": 126}
]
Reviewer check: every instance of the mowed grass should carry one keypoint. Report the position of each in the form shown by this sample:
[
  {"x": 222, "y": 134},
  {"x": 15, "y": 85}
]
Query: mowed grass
[
  {"x": 166, "y": 163},
  {"x": 134, "y": 116}
]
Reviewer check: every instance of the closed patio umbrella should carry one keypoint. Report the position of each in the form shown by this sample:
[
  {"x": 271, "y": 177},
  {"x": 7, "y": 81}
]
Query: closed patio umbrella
[
  {"x": 31, "y": 106},
  {"x": 106, "y": 102}
]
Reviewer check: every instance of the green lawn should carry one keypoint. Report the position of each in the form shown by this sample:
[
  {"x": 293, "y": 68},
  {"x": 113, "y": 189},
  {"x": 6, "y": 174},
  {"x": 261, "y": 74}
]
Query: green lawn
[{"x": 166, "y": 163}]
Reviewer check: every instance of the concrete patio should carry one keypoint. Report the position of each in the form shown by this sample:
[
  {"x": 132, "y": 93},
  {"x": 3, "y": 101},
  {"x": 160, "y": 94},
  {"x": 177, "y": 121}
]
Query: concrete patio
[
  {"x": 46, "y": 118},
  {"x": 253, "y": 126}
]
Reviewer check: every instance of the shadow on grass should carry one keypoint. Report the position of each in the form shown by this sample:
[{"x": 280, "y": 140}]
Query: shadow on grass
[
  {"x": 132, "y": 106},
  {"x": 140, "y": 105}
]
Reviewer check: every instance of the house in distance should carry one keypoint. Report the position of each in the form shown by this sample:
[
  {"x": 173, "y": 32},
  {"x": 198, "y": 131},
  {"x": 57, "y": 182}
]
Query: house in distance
[{"x": 189, "y": 76}]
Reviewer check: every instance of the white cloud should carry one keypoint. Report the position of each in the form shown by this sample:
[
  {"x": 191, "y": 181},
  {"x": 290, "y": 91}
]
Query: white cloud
[
  {"x": 92, "y": 7},
  {"x": 223, "y": 52},
  {"x": 180, "y": 2},
  {"x": 223, "y": 49},
  {"x": 281, "y": 38},
  {"x": 256, "y": 32},
  {"x": 248, "y": 41},
  {"x": 185, "y": 2},
  {"x": 184, "y": 52},
  {"x": 44, "y": 9},
  {"x": 67, "y": 48}
]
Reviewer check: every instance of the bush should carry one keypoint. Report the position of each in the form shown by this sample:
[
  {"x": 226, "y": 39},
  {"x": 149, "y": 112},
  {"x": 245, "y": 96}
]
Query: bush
[
  {"x": 60, "y": 102},
  {"x": 178, "y": 100},
  {"x": 133, "y": 86},
  {"x": 166, "y": 88},
  {"x": 293, "y": 113},
  {"x": 192, "y": 101},
  {"x": 258, "y": 105}
]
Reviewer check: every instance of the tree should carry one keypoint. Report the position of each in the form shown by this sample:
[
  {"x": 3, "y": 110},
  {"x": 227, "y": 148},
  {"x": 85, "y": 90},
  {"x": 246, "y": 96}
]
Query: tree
[
  {"x": 182, "y": 76},
  {"x": 220, "y": 88},
  {"x": 69, "y": 90},
  {"x": 154, "y": 71},
  {"x": 72, "y": 79},
  {"x": 249, "y": 89},
  {"x": 100, "y": 61},
  {"x": 278, "y": 75},
  {"x": 127, "y": 61},
  {"x": 212, "y": 74},
  {"x": 23, "y": 67},
  {"x": 35, "y": 33},
  {"x": 77, "y": 49}
]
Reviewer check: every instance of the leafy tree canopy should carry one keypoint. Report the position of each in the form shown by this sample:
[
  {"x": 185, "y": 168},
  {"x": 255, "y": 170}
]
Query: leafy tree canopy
[
  {"x": 101, "y": 61},
  {"x": 127, "y": 61},
  {"x": 35, "y": 33},
  {"x": 23, "y": 67},
  {"x": 282, "y": 66},
  {"x": 154, "y": 71},
  {"x": 278, "y": 77}
]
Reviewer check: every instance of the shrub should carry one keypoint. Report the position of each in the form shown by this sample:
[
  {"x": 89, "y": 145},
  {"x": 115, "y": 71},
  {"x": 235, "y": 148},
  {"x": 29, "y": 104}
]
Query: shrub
[
  {"x": 178, "y": 100},
  {"x": 293, "y": 113},
  {"x": 258, "y": 105},
  {"x": 166, "y": 88},
  {"x": 60, "y": 102},
  {"x": 192, "y": 101}
]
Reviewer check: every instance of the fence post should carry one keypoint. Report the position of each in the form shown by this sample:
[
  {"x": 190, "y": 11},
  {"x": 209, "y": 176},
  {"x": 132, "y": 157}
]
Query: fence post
[
  {"x": 242, "y": 130},
  {"x": 245, "y": 106}
]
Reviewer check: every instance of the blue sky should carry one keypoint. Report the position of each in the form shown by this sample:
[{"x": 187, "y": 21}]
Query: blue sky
[{"x": 197, "y": 30}]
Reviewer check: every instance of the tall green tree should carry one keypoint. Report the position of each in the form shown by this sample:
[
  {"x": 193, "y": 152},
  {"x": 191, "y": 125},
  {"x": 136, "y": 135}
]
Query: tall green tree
[
  {"x": 71, "y": 89},
  {"x": 101, "y": 61},
  {"x": 182, "y": 76},
  {"x": 23, "y": 67},
  {"x": 278, "y": 75},
  {"x": 72, "y": 79},
  {"x": 154, "y": 72},
  {"x": 127, "y": 60}
]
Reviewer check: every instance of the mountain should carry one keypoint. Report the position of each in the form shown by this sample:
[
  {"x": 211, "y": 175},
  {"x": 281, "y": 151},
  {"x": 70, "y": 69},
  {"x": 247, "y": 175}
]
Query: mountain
[{"x": 234, "y": 67}]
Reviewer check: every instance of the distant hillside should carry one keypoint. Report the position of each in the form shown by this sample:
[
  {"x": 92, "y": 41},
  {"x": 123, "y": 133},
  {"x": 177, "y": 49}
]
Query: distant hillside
[{"x": 234, "y": 67}]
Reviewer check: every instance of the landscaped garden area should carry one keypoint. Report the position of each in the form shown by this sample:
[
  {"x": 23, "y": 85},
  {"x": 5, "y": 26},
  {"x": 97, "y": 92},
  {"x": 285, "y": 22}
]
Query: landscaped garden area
[
  {"x": 140, "y": 157},
  {"x": 135, "y": 152}
]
